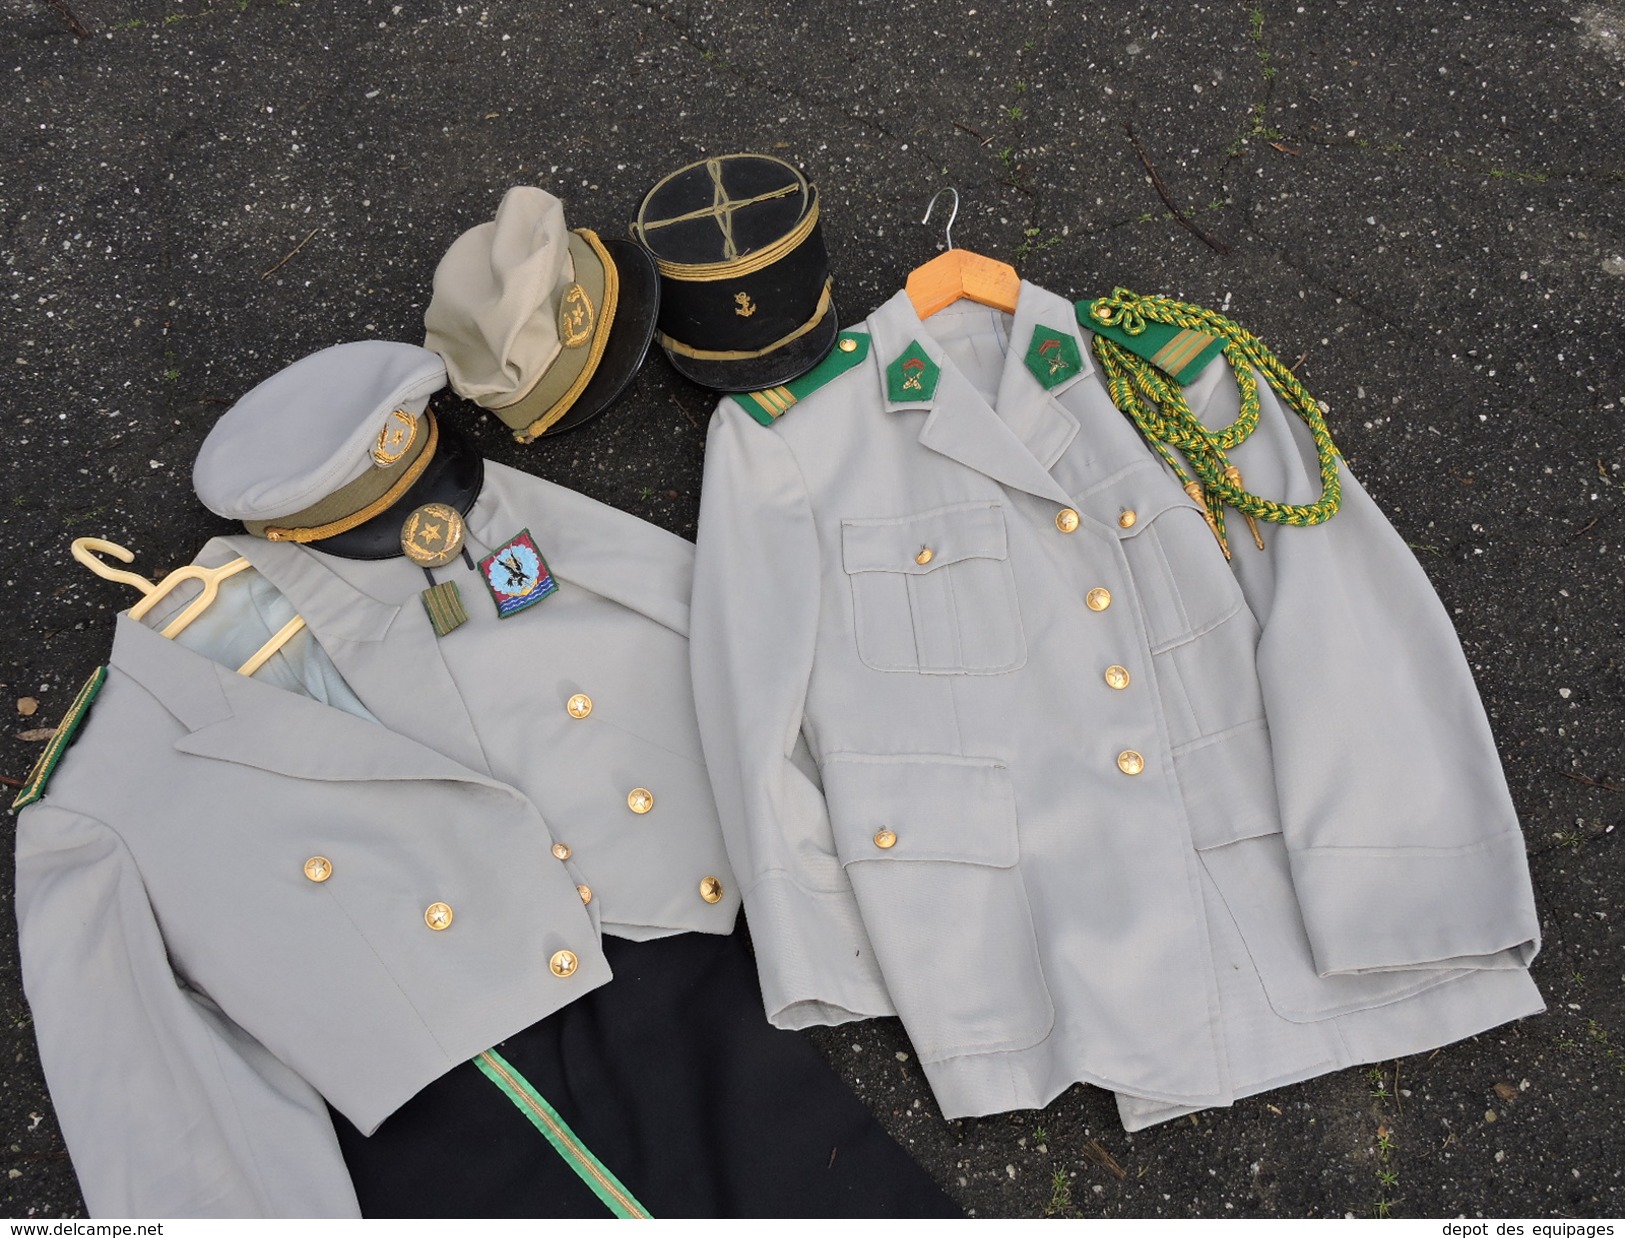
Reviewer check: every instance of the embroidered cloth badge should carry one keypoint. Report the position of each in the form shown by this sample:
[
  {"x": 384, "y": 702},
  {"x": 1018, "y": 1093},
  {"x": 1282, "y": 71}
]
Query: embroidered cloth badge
[
  {"x": 445, "y": 606},
  {"x": 516, "y": 575},
  {"x": 1052, "y": 357},
  {"x": 912, "y": 378}
]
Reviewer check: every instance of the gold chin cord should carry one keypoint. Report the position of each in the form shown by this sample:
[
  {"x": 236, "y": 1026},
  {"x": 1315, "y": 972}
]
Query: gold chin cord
[{"x": 1157, "y": 406}]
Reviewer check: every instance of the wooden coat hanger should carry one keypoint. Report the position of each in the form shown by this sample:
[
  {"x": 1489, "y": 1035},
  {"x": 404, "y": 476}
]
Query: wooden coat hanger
[
  {"x": 959, "y": 273},
  {"x": 87, "y": 549}
]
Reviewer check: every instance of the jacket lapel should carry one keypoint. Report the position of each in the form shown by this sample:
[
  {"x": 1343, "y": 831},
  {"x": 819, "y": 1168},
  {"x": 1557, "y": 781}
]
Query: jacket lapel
[
  {"x": 961, "y": 425},
  {"x": 232, "y": 717},
  {"x": 368, "y": 618}
]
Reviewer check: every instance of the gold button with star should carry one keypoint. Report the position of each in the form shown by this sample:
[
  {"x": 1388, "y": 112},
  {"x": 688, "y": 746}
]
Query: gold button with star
[
  {"x": 563, "y": 963},
  {"x": 1117, "y": 677},
  {"x": 1130, "y": 762},
  {"x": 711, "y": 890},
  {"x": 1098, "y": 599},
  {"x": 925, "y": 556},
  {"x": 586, "y": 894},
  {"x": 640, "y": 800},
  {"x": 561, "y": 851},
  {"x": 1066, "y": 520},
  {"x": 437, "y": 916},
  {"x": 318, "y": 868},
  {"x": 432, "y": 535},
  {"x": 885, "y": 839},
  {"x": 579, "y": 705},
  {"x": 1126, "y": 518}
]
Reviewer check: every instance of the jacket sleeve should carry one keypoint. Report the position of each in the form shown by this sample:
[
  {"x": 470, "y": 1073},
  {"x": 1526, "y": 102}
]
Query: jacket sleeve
[
  {"x": 755, "y": 623},
  {"x": 1405, "y": 848},
  {"x": 168, "y": 1108}
]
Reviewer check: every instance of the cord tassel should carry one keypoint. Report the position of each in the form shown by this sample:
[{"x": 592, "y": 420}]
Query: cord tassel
[
  {"x": 1194, "y": 489},
  {"x": 1233, "y": 475}
]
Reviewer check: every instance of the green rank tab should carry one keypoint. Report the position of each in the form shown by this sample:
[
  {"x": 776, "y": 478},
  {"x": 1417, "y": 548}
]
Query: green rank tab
[{"x": 1179, "y": 352}]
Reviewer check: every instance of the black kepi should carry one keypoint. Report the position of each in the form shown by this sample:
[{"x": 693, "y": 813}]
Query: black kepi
[{"x": 745, "y": 284}]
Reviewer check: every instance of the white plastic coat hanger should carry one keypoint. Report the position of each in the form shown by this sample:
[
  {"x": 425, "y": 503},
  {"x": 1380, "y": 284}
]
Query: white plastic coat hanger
[{"x": 86, "y": 550}]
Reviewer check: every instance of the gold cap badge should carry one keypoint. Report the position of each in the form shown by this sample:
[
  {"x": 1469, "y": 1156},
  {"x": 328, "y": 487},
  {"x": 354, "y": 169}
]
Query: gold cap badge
[
  {"x": 576, "y": 317},
  {"x": 395, "y": 439},
  {"x": 432, "y": 535}
]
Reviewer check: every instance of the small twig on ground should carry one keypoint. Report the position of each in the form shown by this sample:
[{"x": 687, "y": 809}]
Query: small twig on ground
[
  {"x": 1587, "y": 781},
  {"x": 285, "y": 257},
  {"x": 972, "y": 132},
  {"x": 1302, "y": 357},
  {"x": 1587, "y": 527},
  {"x": 1094, "y": 1152},
  {"x": 9, "y": 781},
  {"x": 686, "y": 413},
  {"x": 1283, "y": 148},
  {"x": 1212, "y": 243},
  {"x": 78, "y": 27}
]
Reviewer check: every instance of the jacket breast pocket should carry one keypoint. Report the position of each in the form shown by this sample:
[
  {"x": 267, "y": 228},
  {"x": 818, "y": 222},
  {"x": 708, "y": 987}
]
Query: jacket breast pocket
[
  {"x": 1181, "y": 575},
  {"x": 930, "y": 846},
  {"x": 933, "y": 592}
]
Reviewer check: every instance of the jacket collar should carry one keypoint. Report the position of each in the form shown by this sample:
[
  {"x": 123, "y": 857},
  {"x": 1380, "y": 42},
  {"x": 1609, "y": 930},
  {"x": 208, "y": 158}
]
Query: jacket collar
[{"x": 1016, "y": 443}]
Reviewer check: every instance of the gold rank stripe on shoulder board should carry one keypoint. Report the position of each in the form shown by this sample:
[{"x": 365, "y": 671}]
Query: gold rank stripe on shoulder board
[
  {"x": 34, "y": 785},
  {"x": 771, "y": 403}
]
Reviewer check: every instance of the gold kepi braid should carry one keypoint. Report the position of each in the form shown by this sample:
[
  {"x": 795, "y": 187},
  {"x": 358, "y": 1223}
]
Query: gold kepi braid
[{"x": 1158, "y": 407}]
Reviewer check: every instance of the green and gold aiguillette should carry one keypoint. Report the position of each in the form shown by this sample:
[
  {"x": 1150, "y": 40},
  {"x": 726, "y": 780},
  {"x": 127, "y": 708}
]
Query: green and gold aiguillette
[{"x": 432, "y": 535}]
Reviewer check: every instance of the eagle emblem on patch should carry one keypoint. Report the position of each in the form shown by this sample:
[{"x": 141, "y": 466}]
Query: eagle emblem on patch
[{"x": 517, "y": 575}]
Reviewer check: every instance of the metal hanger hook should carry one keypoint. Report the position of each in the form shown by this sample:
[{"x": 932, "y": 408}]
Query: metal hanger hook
[{"x": 947, "y": 232}]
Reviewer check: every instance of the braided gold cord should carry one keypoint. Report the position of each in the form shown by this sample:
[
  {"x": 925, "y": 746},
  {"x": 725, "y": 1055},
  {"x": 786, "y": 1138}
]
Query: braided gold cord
[{"x": 1157, "y": 405}]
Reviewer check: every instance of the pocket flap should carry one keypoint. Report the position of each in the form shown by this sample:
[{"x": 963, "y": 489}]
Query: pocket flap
[
  {"x": 951, "y": 534},
  {"x": 1145, "y": 491},
  {"x": 961, "y": 809}
]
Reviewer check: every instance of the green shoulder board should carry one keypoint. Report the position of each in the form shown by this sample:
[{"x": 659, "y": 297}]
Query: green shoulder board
[
  {"x": 771, "y": 403},
  {"x": 1182, "y": 353},
  {"x": 34, "y": 787}
]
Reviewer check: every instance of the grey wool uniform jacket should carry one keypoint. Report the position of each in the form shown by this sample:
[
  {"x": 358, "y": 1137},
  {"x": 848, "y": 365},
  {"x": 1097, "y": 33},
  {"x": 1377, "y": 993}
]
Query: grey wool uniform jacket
[
  {"x": 197, "y": 994},
  {"x": 1088, "y": 803}
]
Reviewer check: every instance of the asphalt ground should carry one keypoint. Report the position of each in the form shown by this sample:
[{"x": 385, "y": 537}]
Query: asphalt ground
[{"x": 1420, "y": 205}]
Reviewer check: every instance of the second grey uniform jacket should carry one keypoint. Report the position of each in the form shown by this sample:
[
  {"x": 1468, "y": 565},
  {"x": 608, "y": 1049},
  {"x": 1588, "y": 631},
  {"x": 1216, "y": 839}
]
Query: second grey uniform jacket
[
  {"x": 1076, "y": 798},
  {"x": 199, "y": 989}
]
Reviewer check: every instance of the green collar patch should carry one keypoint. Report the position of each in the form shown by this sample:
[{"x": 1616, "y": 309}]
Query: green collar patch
[
  {"x": 1179, "y": 352},
  {"x": 912, "y": 378},
  {"x": 1052, "y": 357},
  {"x": 34, "y": 786},
  {"x": 771, "y": 403}
]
